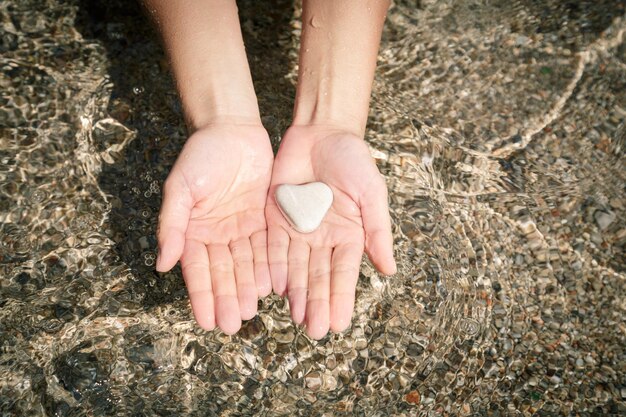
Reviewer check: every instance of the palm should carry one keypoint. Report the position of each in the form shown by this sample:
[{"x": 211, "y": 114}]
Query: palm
[
  {"x": 319, "y": 270},
  {"x": 212, "y": 219}
]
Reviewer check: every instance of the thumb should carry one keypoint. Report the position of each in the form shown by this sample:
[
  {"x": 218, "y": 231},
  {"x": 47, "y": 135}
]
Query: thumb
[
  {"x": 377, "y": 225},
  {"x": 173, "y": 221}
]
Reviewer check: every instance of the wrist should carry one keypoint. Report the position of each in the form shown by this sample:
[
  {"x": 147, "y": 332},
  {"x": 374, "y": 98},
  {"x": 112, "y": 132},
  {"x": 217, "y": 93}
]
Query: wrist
[
  {"x": 338, "y": 50},
  {"x": 310, "y": 134},
  {"x": 210, "y": 94},
  {"x": 330, "y": 112},
  {"x": 214, "y": 112},
  {"x": 205, "y": 46},
  {"x": 331, "y": 123}
]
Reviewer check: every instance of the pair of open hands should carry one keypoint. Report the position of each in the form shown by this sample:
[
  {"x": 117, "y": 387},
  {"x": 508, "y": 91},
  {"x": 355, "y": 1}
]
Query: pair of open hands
[{"x": 220, "y": 219}]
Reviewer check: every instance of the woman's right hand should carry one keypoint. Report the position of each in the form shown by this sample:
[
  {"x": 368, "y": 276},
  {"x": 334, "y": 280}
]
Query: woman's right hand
[{"x": 212, "y": 220}]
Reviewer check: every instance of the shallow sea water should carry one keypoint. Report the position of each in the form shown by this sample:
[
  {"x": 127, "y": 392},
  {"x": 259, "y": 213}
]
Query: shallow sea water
[{"x": 500, "y": 128}]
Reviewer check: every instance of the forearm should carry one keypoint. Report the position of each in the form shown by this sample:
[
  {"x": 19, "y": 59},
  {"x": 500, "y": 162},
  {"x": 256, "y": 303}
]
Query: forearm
[
  {"x": 338, "y": 51},
  {"x": 205, "y": 46}
]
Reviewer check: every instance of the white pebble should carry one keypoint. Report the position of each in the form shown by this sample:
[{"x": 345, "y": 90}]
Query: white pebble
[{"x": 304, "y": 206}]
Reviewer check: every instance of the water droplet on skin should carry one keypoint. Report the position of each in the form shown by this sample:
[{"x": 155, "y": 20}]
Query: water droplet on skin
[{"x": 315, "y": 22}]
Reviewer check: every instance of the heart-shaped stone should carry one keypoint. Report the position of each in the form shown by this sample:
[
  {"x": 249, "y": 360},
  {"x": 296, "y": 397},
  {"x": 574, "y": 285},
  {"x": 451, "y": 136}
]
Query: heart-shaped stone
[{"x": 304, "y": 206}]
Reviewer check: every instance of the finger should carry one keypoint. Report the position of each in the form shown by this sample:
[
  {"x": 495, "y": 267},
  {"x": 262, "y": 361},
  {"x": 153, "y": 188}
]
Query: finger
[
  {"x": 297, "y": 281},
  {"x": 346, "y": 263},
  {"x": 377, "y": 226},
  {"x": 318, "y": 309},
  {"x": 261, "y": 268},
  {"x": 241, "y": 251},
  {"x": 227, "y": 315},
  {"x": 195, "y": 265},
  {"x": 173, "y": 220},
  {"x": 277, "y": 251}
]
